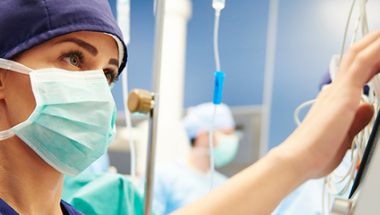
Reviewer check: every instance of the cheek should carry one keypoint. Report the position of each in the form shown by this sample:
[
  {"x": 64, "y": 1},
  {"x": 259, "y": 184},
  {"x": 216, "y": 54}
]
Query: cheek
[{"x": 19, "y": 97}]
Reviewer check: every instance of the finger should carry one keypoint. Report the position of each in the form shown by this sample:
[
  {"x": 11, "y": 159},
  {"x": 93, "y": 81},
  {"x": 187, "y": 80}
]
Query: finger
[
  {"x": 367, "y": 60},
  {"x": 367, "y": 40},
  {"x": 359, "y": 46},
  {"x": 362, "y": 118},
  {"x": 363, "y": 67}
]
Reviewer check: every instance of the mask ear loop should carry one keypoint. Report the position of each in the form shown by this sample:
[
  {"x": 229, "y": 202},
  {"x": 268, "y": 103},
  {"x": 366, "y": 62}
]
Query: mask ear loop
[
  {"x": 17, "y": 67},
  {"x": 14, "y": 66},
  {"x": 6, "y": 134}
]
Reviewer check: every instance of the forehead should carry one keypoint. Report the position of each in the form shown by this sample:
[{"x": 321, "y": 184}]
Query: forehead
[
  {"x": 226, "y": 130},
  {"x": 104, "y": 44}
]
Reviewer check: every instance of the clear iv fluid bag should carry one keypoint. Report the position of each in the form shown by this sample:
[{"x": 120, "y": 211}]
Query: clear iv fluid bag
[{"x": 218, "y": 4}]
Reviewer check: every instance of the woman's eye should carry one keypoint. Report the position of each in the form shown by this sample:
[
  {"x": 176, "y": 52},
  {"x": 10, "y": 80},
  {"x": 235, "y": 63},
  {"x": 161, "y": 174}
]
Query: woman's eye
[
  {"x": 111, "y": 76},
  {"x": 74, "y": 60}
]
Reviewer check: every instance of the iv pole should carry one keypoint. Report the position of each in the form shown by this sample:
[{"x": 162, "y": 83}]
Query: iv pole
[{"x": 152, "y": 142}]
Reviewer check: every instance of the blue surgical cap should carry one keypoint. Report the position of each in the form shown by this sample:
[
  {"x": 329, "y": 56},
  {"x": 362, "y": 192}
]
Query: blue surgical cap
[
  {"x": 199, "y": 118},
  {"x": 28, "y": 23}
]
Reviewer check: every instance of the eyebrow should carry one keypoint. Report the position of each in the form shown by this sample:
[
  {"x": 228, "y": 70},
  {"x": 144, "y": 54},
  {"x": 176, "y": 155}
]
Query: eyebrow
[
  {"x": 114, "y": 62},
  {"x": 88, "y": 47}
]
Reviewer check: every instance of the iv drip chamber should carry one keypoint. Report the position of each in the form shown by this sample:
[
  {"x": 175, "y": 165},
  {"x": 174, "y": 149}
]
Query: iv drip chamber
[{"x": 218, "y": 4}]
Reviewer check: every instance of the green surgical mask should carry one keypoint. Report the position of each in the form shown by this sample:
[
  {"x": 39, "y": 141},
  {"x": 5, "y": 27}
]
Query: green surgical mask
[
  {"x": 73, "y": 122},
  {"x": 225, "y": 150}
]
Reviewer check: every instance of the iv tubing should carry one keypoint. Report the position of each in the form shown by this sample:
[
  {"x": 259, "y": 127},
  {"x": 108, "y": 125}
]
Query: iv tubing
[
  {"x": 211, "y": 137},
  {"x": 216, "y": 48},
  {"x": 217, "y": 64}
]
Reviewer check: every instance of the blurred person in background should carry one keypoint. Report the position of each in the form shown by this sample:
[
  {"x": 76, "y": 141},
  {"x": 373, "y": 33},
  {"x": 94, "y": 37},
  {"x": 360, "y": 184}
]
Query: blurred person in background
[{"x": 181, "y": 182}]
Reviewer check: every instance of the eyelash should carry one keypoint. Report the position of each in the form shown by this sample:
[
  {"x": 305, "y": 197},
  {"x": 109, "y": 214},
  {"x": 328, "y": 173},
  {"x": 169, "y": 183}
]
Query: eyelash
[
  {"x": 74, "y": 53},
  {"x": 80, "y": 56},
  {"x": 114, "y": 78}
]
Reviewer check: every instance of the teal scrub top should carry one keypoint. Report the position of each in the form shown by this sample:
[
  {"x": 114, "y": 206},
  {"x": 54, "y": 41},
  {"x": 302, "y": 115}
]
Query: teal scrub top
[{"x": 106, "y": 193}]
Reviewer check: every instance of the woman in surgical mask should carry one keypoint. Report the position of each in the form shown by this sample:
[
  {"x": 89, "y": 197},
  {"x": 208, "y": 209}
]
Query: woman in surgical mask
[
  {"x": 181, "y": 182},
  {"x": 57, "y": 61}
]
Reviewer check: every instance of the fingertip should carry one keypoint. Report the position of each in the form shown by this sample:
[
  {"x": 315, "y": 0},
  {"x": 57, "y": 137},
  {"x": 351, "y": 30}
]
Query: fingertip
[
  {"x": 362, "y": 118},
  {"x": 366, "y": 108},
  {"x": 365, "y": 111}
]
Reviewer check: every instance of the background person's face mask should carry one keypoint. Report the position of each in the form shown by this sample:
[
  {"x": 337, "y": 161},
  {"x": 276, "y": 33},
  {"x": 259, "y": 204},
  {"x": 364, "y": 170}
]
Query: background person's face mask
[
  {"x": 226, "y": 149},
  {"x": 73, "y": 122}
]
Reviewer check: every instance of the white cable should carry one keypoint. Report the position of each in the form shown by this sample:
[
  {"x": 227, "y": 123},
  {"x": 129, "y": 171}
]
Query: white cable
[
  {"x": 323, "y": 195},
  {"x": 345, "y": 31},
  {"x": 328, "y": 201},
  {"x": 331, "y": 179},
  {"x": 211, "y": 146},
  {"x": 216, "y": 48},
  {"x": 298, "y": 110},
  {"x": 371, "y": 93},
  {"x": 355, "y": 31},
  {"x": 363, "y": 15}
]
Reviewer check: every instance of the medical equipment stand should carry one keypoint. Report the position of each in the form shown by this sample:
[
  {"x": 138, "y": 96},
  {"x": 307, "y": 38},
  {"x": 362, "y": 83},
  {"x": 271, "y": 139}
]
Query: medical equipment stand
[
  {"x": 144, "y": 102},
  {"x": 366, "y": 199}
]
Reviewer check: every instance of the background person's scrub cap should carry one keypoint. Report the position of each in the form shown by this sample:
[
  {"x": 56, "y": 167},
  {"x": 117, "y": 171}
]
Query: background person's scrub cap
[
  {"x": 28, "y": 23},
  {"x": 199, "y": 118}
]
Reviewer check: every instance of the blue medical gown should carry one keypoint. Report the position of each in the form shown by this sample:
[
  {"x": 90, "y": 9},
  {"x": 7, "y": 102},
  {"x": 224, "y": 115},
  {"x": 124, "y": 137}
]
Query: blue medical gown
[
  {"x": 307, "y": 199},
  {"x": 176, "y": 184}
]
